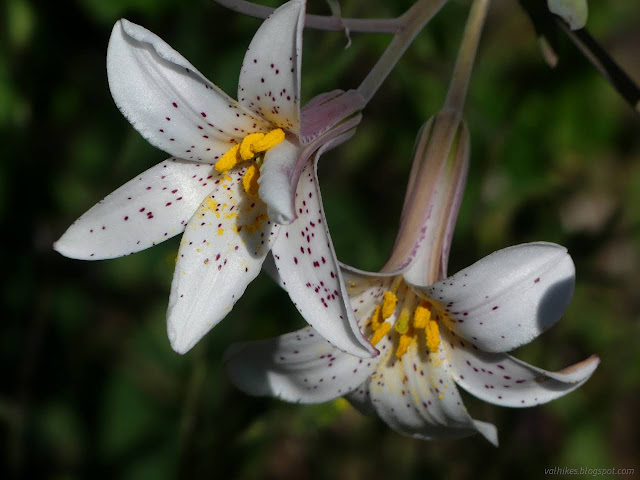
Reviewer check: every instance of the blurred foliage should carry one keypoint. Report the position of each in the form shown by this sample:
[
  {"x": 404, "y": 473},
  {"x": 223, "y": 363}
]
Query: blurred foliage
[{"x": 90, "y": 385}]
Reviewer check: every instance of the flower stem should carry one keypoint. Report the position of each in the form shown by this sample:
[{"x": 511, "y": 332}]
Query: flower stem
[
  {"x": 459, "y": 84},
  {"x": 412, "y": 21},
  {"x": 320, "y": 22}
]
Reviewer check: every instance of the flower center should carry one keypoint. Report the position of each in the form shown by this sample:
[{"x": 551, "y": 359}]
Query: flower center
[
  {"x": 252, "y": 147},
  {"x": 414, "y": 322}
]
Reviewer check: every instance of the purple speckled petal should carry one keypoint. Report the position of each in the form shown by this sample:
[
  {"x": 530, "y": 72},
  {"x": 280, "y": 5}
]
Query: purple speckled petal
[
  {"x": 298, "y": 367},
  {"x": 168, "y": 101},
  {"x": 269, "y": 83},
  {"x": 147, "y": 210},
  {"x": 509, "y": 297},
  {"x": 307, "y": 264},
  {"x": 416, "y": 396},
  {"x": 221, "y": 252},
  {"x": 504, "y": 380}
]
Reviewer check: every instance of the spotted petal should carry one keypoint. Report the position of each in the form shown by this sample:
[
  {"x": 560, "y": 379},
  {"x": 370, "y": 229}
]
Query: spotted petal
[
  {"x": 298, "y": 367},
  {"x": 504, "y": 380},
  {"x": 221, "y": 252},
  {"x": 147, "y": 210},
  {"x": 168, "y": 101},
  {"x": 307, "y": 263},
  {"x": 509, "y": 297},
  {"x": 417, "y": 397},
  {"x": 269, "y": 83}
]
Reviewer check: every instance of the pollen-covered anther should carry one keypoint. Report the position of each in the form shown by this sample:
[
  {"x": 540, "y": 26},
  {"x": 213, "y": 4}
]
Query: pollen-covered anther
[
  {"x": 250, "y": 180},
  {"x": 375, "y": 320},
  {"x": 247, "y": 150},
  {"x": 404, "y": 342},
  {"x": 380, "y": 333},
  {"x": 421, "y": 315},
  {"x": 228, "y": 160},
  {"x": 389, "y": 301},
  {"x": 432, "y": 332},
  {"x": 270, "y": 140}
]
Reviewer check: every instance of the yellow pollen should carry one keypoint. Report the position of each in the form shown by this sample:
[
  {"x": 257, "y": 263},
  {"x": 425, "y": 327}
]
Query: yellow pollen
[
  {"x": 221, "y": 231},
  {"x": 403, "y": 344},
  {"x": 432, "y": 333},
  {"x": 380, "y": 332},
  {"x": 250, "y": 180},
  {"x": 402, "y": 324},
  {"x": 375, "y": 318},
  {"x": 421, "y": 316},
  {"x": 228, "y": 160},
  {"x": 389, "y": 302},
  {"x": 270, "y": 140},
  {"x": 247, "y": 145}
]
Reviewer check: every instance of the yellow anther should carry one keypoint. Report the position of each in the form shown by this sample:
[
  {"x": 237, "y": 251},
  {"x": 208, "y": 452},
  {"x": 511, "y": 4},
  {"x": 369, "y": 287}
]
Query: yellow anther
[
  {"x": 403, "y": 344},
  {"x": 247, "y": 150},
  {"x": 250, "y": 180},
  {"x": 228, "y": 160},
  {"x": 433, "y": 336},
  {"x": 402, "y": 324},
  {"x": 421, "y": 316},
  {"x": 389, "y": 302},
  {"x": 270, "y": 140},
  {"x": 376, "y": 319},
  {"x": 380, "y": 332}
]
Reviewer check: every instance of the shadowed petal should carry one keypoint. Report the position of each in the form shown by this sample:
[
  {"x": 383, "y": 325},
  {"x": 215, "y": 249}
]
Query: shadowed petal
[
  {"x": 221, "y": 252},
  {"x": 504, "y": 380},
  {"x": 275, "y": 181},
  {"x": 298, "y": 367},
  {"x": 269, "y": 83},
  {"x": 147, "y": 210},
  {"x": 307, "y": 264},
  {"x": 509, "y": 297},
  {"x": 168, "y": 101},
  {"x": 417, "y": 397}
]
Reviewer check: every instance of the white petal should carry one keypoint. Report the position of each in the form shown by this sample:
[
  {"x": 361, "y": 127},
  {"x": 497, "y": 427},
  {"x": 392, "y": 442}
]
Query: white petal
[
  {"x": 504, "y": 380},
  {"x": 147, "y": 210},
  {"x": 269, "y": 83},
  {"x": 168, "y": 101},
  {"x": 298, "y": 367},
  {"x": 509, "y": 297},
  {"x": 360, "y": 398},
  {"x": 307, "y": 264},
  {"x": 221, "y": 252},
  {"x": 416, "y": 396},
  {"x": 275, "y": 181}
]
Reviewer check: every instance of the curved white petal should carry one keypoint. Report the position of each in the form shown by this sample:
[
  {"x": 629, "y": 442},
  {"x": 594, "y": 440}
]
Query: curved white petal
[
  {"x": 307, "y": 264},
  {"x": 168, "y": 101},
  {"x": 504, "y": 380},
  {"x": 298, "y": 367},
  {"x": 275, "y": 181},
  {"x": 269, "y": 83},
  {"x": 147, "y": 210},
  {"x": 509, "y": 297},
  {"x": 416, "y": 396},
  {"x": 360, "y": 398},
  {"x": 221, "y": 252}
]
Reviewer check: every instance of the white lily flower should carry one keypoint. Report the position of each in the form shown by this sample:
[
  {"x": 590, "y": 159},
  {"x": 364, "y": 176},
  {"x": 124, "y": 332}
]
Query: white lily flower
[
  {"x": 433, "y": 332},
  {"x": 242, "y": 180}
]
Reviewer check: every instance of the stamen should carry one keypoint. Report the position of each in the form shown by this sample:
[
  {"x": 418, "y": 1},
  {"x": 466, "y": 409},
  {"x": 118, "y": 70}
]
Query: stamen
[
  {"x": 403, "y": 344},
  {"x": 402, "y": 324},
  {"x": 228, "y": 160},
  {"x": 389, "y": 302},
  {"x": 432, "y": 333},
  {"x": 270, "y": 140},
  {"x": 380, "y": 332},
  {"x": 422, "y": 315},
  {"x": 247, "y": 146},
  {"x": 375, "y": 319},
  {"x": 250, "y": 180}
]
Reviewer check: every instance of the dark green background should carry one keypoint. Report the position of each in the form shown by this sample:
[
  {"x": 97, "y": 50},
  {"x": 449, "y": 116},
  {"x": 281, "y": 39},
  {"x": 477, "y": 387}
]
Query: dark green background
[{"x": 90, "y": 387}]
